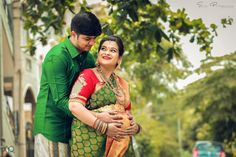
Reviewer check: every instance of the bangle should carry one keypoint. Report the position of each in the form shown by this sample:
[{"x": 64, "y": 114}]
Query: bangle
[
  {"x": 139, "y": 128},
  {"x": 100, "y": 126},
  {"x": 95, "y": 123}
]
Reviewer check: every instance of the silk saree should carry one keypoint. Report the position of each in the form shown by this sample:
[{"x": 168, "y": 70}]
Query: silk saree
[{"x": 86, "y": 141}]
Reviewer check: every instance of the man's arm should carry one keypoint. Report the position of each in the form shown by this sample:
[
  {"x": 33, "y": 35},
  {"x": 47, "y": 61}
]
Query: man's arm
[{"x": 55, "y": 72}]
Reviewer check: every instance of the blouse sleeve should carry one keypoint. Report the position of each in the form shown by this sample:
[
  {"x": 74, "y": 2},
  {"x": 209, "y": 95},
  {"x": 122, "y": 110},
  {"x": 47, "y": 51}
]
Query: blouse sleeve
[
  {"x": 129, "y": 106},
  {"x": 83, "y": 87}
]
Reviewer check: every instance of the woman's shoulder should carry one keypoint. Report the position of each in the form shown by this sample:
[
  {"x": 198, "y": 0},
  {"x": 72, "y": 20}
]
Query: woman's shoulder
[{"x": 89, "y": 73}]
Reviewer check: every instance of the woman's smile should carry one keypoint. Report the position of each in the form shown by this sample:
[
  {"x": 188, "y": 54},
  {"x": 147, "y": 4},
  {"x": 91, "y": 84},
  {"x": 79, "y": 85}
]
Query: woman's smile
[{"x": 106, "y": 57}]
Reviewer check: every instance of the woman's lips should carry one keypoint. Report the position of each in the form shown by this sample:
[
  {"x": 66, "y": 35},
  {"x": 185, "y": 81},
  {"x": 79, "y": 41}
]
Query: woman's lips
[{"x": 106, "y": 57}]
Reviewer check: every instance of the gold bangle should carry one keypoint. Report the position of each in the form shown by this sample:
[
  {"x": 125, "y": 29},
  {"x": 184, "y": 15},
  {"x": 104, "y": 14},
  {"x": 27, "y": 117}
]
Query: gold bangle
[
  {"x": 100, "y": 126},
  {"x": 104, "y": 128},
  {"x": 95, "y": 123}
]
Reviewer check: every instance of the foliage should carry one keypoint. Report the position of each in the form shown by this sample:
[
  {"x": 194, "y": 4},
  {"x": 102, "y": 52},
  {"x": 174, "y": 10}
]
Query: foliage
[
  {"x": 154, "y": 133},
  {"x": 154, "y": 60},
  {"x": 40, "y": 17},
  {"x": 213, "y": 100},
  {"x": 151, "y": 33},
  {"x": 144, "y": 17}
]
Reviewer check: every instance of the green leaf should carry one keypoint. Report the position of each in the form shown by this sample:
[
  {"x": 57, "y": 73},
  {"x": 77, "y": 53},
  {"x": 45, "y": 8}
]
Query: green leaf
[
  {"x": 192, "y": 39},
  {"x": 170, "y": 54},
  {"x": 158, "y": 35}
]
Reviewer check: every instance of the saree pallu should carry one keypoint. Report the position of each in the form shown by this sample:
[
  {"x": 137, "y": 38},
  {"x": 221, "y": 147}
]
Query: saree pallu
[
  {"x": 87, "y": 142},
  {"x": 117, "y": 148}
]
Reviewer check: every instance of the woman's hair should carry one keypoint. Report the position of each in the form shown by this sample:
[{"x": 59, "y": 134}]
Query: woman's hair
[
  {"x": 115, "y": 39},
  {"x": 86, "y": 23}
]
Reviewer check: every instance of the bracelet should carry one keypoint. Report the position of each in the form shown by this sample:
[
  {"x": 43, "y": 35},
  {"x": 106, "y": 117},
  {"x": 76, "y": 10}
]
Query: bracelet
[
  {"x": 95, "y": 123},
  {"x": 139, "y": 128},
  {"x": 100, "y": 126}
]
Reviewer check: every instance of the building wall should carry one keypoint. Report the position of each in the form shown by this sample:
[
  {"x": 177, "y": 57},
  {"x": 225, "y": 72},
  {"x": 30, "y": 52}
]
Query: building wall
[
  {"x": 7, "y": 125},
  {"x": 6, "y": 77},
  {"x": 19, "y": 78},
  {"x": 26, "y": 77}
]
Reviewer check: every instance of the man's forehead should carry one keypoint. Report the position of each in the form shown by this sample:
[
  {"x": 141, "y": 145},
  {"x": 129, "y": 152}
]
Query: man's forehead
[{"x": 87, "y": 36}]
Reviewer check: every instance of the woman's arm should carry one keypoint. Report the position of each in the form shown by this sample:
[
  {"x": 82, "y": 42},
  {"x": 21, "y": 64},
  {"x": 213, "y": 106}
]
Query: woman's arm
[
  {"x": 87, "y": 117},
  {"x": 108, "y": 117},
  {"x": 80, "y": 112}
]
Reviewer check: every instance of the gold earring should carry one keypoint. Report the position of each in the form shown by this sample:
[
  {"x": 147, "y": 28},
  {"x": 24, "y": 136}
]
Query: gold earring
[
  {"x": 97, "y": 64},
  {"x": 118, "y": 67}
]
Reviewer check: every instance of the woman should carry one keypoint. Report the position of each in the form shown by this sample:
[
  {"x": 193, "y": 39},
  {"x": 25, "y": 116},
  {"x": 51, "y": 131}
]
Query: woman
[{"x": 97, "y": 92}]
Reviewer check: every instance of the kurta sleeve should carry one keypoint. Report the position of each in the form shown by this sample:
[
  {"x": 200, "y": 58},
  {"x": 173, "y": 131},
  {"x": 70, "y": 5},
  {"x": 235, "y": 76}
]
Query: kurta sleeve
[{"x": 55, "y": 72}]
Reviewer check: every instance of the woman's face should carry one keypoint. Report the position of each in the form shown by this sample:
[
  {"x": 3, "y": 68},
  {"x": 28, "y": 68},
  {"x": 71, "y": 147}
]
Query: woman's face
[{"x": 108, "y": 55}]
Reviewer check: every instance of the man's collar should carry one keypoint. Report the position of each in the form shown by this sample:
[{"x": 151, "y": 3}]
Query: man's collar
[{"x": 71, "y": 48}]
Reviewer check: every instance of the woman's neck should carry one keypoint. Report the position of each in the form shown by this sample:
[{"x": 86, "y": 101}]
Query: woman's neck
[{"x": 106, "y": 71}]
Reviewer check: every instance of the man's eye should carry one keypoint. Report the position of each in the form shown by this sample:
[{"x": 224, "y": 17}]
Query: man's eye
[{"x": 103, "y": 48}]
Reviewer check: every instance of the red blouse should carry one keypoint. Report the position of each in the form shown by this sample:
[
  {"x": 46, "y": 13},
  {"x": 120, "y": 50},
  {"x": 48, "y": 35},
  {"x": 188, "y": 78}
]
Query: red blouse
[{"x": 85, "y": 86}]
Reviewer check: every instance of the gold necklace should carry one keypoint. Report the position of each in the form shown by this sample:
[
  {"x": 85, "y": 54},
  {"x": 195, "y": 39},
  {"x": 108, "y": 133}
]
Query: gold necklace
[{"x": 118, "y": 91}]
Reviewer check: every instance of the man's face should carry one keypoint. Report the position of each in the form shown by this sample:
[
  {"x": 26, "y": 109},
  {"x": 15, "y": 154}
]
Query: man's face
[{"x": 83, "y": 42}]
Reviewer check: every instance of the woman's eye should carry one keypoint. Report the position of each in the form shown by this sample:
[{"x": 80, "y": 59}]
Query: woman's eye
[{"x": 113, "y": 51}]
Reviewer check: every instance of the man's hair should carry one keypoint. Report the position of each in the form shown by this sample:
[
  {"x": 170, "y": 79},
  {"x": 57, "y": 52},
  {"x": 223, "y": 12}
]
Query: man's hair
[
  {"x": 86, "y": 23},
  {"x": 116, "y": 39}
]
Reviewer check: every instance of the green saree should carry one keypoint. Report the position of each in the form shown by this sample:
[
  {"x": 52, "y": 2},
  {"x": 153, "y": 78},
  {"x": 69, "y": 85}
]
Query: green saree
[{"x": 86, "y": 141}]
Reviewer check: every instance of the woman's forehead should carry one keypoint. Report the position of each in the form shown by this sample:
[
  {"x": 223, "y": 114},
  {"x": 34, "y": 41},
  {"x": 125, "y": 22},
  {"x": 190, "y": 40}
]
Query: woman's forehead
[{"x": 110, "y": 43}]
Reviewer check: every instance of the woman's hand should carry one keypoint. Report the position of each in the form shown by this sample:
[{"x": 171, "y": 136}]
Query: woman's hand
[{"x": 109, "y": 117}]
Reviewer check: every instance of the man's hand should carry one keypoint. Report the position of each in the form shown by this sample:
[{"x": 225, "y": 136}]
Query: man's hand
[
  {"x": 114, "y": 131},
  {"x": 109, "y": 117},
  {"x": 131, "y": 118},
  {"x": 133, "y": 129}
]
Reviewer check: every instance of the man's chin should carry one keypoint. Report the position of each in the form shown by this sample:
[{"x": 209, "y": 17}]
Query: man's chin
[{"x": 87, "y": 49}]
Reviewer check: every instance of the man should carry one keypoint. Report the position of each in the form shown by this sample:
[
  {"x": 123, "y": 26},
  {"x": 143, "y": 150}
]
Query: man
[{"x": 61, "y": 66}]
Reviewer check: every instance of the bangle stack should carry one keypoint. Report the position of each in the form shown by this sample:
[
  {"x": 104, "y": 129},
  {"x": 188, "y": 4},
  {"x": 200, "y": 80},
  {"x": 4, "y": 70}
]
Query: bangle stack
[{"x": 100, "y": 126}]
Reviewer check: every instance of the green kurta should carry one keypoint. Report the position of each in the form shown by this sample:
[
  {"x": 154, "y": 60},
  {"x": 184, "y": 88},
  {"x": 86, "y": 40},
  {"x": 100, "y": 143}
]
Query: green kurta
[{"x": 61, "y": 67}]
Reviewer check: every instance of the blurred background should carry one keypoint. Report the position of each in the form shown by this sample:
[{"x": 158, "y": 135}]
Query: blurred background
[{"x": 180, "y": 62}]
